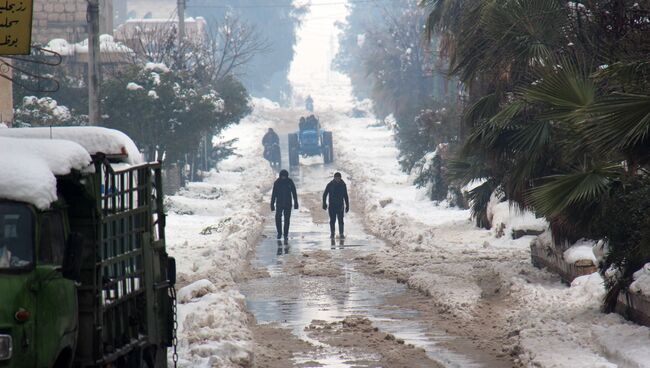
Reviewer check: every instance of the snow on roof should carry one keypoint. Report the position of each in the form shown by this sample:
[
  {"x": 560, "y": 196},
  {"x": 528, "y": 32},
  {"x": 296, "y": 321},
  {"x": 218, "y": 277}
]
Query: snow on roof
[
  {"x": 28, "y": 168},
  {"x": 106, "y": 44},
  {"x": 163, "y": 20},
  {"x": 93, "y": 139}
]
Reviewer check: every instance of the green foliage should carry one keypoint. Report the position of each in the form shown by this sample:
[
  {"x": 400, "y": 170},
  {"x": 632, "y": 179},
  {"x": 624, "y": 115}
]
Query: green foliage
[
  {"x": 222, "y": 151},
  {"x": 381, "y": 49},
  {"x": 37, "y": 79},
  {"x": 431, "y": 127},
  {"x": 626, "y": 226},
  {"x": 559, "y": 112},
  {"x": 622, "y": 123},
  {"x": 162, "y": 111},
  {"x": 430, "y": 174},
  {"x": 45, "y": 112}
]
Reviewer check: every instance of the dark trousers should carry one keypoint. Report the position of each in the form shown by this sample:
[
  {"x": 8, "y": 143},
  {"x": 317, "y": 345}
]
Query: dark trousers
[
  {"x": 336, "y": 213},
  {"x": 279, "y": 212}
]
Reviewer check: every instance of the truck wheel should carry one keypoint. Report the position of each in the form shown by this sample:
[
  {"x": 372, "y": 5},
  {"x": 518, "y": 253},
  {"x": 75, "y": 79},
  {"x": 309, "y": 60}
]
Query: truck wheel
[
  {"x": 154, "y": 357},
  {"x": 64, "y": 360},
  {"x": 293, "y": 150},
  {"x": 328, "y": 147}
]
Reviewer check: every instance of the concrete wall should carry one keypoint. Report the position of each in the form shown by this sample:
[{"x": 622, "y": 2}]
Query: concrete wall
[{"x": 67, "y": 19}]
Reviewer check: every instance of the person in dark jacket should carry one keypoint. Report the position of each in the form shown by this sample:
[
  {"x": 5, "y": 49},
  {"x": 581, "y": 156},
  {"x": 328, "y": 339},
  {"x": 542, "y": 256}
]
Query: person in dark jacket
[
  {"x": 271, "y": 137},
  {"x": 338, "y": 195},
  {"x": 284, "y": 197}
]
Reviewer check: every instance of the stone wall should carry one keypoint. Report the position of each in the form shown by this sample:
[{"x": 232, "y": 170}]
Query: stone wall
[{"x": 67, "y": 19}]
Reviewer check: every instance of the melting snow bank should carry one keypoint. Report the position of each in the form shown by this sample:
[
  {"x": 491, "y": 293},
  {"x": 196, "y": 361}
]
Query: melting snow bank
[
  {"x": 211, "y": 228},
  {"x": 440, "y": 252}
]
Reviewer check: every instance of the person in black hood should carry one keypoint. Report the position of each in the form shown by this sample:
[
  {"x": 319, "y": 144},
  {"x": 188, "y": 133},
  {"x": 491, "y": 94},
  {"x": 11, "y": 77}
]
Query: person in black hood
[
  {"x": 338, "y": 194},
  {"x": 284, "y": 190},
  {"x": 271, "y": 137}
]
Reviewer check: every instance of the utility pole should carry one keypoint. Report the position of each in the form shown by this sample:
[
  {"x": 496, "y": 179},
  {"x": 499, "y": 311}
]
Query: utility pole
[
  {"x": 6, "y": 93},
  {"x": 93, "y": 62},
  {"x": 181, "y": 29}
]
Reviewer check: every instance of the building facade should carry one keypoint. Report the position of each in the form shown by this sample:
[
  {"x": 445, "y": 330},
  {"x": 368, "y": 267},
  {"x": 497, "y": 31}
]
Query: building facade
[{"x": 66, "y": 19}]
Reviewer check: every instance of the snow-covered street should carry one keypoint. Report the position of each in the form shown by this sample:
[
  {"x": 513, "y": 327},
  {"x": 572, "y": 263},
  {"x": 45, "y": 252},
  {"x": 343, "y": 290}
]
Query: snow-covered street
[
  {"x": 416, "y": 284},
  {"x": 480, "y": 299},
  {"x": 491, "y": 160}
]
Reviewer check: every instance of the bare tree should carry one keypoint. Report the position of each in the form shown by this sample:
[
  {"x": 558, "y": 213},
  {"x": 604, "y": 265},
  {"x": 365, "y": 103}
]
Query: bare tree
[
  {"x": 209, "y": 55},
  {"x": 233, "y": 44}
]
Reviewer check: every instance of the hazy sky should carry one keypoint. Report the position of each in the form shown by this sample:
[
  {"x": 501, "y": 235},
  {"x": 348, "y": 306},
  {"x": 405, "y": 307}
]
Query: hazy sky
[{"x": 317, "y": 44}]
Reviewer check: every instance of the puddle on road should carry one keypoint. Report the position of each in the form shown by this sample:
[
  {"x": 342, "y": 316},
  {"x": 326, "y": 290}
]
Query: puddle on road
[{"x": 294, "y": 301}]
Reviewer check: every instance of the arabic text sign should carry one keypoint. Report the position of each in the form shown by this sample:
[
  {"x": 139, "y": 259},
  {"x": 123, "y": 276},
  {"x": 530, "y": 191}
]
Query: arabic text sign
[{"x": 15, "y": 27}]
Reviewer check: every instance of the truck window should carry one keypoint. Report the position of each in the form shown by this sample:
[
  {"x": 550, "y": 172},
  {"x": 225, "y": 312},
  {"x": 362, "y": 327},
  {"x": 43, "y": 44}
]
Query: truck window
[
  {"x": 52, "y": 244},
  {"x": 16, "y": 236}
]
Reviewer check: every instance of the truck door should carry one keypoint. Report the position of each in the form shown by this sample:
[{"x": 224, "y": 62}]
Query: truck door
[{"x": 56, "y": 317}]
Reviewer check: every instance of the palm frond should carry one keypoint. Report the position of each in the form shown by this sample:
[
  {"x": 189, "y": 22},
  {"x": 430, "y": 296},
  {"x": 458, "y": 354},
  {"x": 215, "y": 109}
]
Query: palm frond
[
  {"x": 479, "y": 198},
  {"x": 483, "y": 109},
  {"x": 464, "y": 171},
  {"x": 626, "y": 72},
  {"x": 565, "y": 90},
  {"x": 620, "y": 122},
  {"x": 562, "y": 192}
]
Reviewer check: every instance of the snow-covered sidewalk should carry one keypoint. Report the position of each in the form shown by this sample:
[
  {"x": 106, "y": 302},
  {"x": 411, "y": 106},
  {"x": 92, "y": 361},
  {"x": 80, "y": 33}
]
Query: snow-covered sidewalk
[
  {"x": 471, "y": 274},
  {"x": 211, "y": 228}
]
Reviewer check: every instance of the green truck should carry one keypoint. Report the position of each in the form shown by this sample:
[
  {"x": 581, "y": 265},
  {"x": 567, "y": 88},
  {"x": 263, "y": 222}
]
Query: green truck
[{"x": 85, "y": 280}]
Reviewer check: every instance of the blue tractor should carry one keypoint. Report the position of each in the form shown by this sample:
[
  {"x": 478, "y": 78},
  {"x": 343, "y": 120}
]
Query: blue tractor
[{"x": 310, "y": 140}]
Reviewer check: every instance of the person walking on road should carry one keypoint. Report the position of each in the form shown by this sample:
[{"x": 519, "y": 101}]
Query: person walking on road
[
  {"x": 338, "y": 194},
  {"x": 284, "y": 197}
]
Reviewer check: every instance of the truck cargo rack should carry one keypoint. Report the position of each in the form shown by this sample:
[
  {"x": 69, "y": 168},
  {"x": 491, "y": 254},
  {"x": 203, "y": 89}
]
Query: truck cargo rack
[{"x": 132, "y": 284}]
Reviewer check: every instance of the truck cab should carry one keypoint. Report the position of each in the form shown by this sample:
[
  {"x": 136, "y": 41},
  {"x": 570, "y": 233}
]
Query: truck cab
[{"x": 84, "y": 277}]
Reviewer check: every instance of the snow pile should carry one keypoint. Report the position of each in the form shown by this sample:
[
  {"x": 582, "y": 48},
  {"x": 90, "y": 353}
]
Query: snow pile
[
  {"x": 107, "y": 44},
  {"x": 441, "y": 253},
  {"x": 214, "y": 331},
  {"x": 641, "y": 282},
  {"x": 157, "y": 67},
  {"x": 61, "y": 47},
  {"x": 28, "y": 168},
  {"x": 507, "y": 219},
  {"x": 131, "y": 86},
  {"x": 553, "y": 324},
  {"x": 93, "y": 139},
  {"x": 581, "y": 250},
  {"x": 211, "y": 228}
]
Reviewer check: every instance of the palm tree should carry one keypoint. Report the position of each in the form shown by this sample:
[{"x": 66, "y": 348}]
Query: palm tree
[{"x": 559, "y": 113}]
